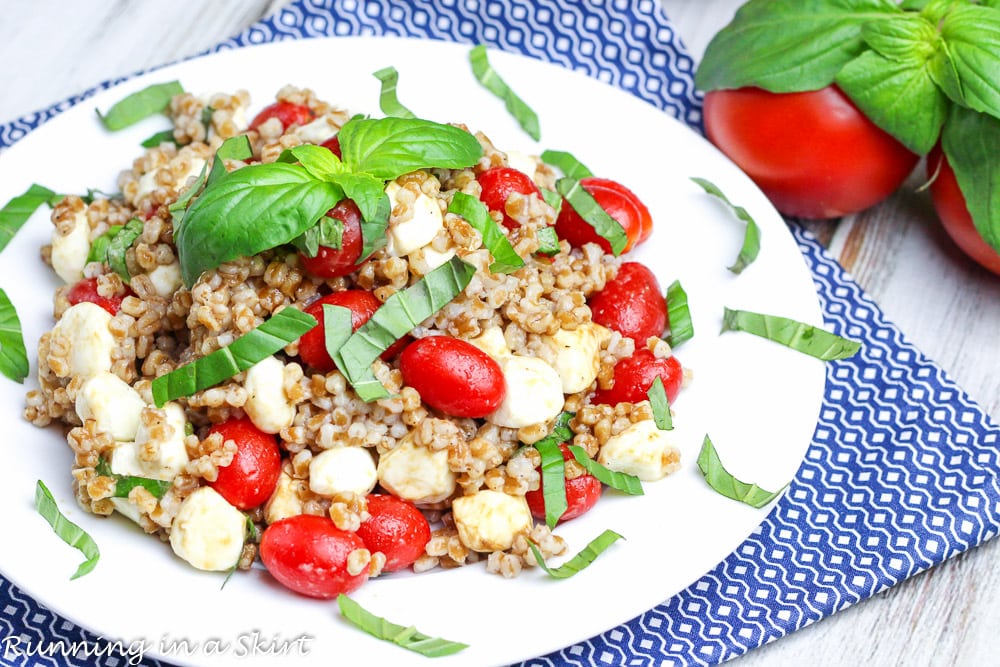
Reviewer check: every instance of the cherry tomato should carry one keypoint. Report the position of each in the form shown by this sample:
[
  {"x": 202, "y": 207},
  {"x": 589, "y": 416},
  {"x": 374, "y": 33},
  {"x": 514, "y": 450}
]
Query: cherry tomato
[
  {"x": 453, "y": 376},
  {"x": 86, "y": 290},
  {"x": 287, "y": 112},
  {"x": 954, "y": 214},
  {"x": 253, "y": 474},
  {"x": 814, "y": 154},
  {"x": 619, "y": 202},
  {"x": 397, "y": 529},
  {"x": 582, "y": 493},
  {"x": 333, "y": 145},
  {"x": 498, "y": 184},
  {"x": 634, "y": 375},
  {"x": 631, "y": 304},
  {"x": 308, "y": 554},
  {"x": 362, "y": 304},
  {"x": 335, "y": 262}
]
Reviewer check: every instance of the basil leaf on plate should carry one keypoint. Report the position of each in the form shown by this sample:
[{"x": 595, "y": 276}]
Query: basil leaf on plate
[
  {"x": 119, "y": 244},
  {"x": 620, "y": 481},
  {"x": 139, "y": 105},
  {"x": 566, "y": 163},
  {"x": 969, "y": 140},
  {"x": 388, "y": 102},
  {"x": 68, "y": 532},
  {"x": 724, "y": 483},
  {"x": 678, "y": 315},
  {"x": 580, "y": 561},
  {"x": 751, "y": 237},
  {"x": 505, "y": 258},
  {"x": 16, "y": 212},
  {"x": 491, "y": 81},
  {"x": 407, "y": 637},
  {"x": 660, "y": 404},
  {"x": 793, "y": 334},
  {"x": 587, "y": 207},
  {"x": 13, "y": 355}
]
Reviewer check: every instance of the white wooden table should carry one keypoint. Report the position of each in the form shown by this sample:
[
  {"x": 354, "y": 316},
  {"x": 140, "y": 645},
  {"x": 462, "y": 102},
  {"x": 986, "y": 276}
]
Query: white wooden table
[{"x": 949, "y": 307}]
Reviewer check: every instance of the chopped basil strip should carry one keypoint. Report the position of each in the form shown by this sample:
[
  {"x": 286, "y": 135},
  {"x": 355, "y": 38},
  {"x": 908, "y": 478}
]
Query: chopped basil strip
[
  {"x": 99, "y": 246},
  {"x": 620, "y": 481},
  {"x": 751, "y": 238},
  {"x": 553, "y": 199},
  {"x": 91, "y": 196},
  {"x": 561, "y": 432},
  {"x": 337, "y": 327},
  {"x": 164, "y": 137},
  {"x": 373, "y": 230},
  {"x": 583, "y": 203},
  {"x": 799, "y": 336},
  {"x": 567, "y": 164},
  {"x": 119, "y": 244},
  {"x": 580, "y": 561},
  {"x": 678, "y": 315},
  {"x": 407, "y": 637},
  {"x": 17, "y": 211},
  {"x": 13, "y": 355},
  {"x": 250, "y": 348},
  {"x": 553, "y": 480},
  {"x": 719, "y": 479},
  {"x": 68, "y": 532},
  {"x": 387, "y": 100},
  {"x": 233, "y": 148},
  {"x": 328, "y": 232},
  {"x": 488, "y": 77},
  {"x": 661, "y": 405},
  {"x": 206, "y": 120},
  {"x": 548, "y": 241},
  {"x": 140, "y": 104},
  {"x": 505, "y": 258},
  {"x": 125, "y": 483}
]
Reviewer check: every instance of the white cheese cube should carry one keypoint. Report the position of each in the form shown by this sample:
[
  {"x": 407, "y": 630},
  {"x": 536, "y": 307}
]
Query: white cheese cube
[
  {"x": 534, "y": 392},
  {"x": 490, "y": 520},
  {"x": 208, "y": 532},
  {"x": 112, "y": 403},
  {"x": 416, "y": 473},
  {"x": 148, "y": 182},
  {"x": 342, "y": 470},
  {"x": 171, "y": 452},
  {"x": 492, "y": 342},
  {"x": 415, "y": 228},
  {"x": 642, "y": 450},
  {"x": 426, "y": 259},
  {"x": 166, "y": 278},
  {"x": 84, "y": 327},
  {"x": 69, "y": 251},
  {"x": 267, "y": 405},
  {"x": 125, "y": 508},
  {"x": 317, "y": 131},
  {"x": 286, "y": 500},
  {"x": 577, "y": 355},
  {"x": 522, "y": 162}
]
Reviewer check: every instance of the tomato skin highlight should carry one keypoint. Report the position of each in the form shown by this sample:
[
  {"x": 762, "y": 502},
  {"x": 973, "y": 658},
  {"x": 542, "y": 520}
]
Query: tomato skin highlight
[
  {"x": 397, "y": 529},
  {"x": 287, "y": 112},
  {"x": 582, "y": 493},
  {"x": 498, "y": 184},
  {"x": 453, "y": 376},
  {"x": 308, "y": 554},
  {"x": 632, "y": 304},
  {"x": 617, "y": 201},
  {"x": 86, "y": 290},
  {"x": 362, "y": 304},
  {"x": 336, "y": 262},
  {"x": 252, "y": 476},
  {"x": 814, "y": 154},
  {"x": 634, "y": 375},
  {"x": 949, "y": 203}
]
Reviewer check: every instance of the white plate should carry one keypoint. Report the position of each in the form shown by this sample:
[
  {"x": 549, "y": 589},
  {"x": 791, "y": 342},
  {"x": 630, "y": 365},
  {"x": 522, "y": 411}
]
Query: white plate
[{"x": 758, "y": 400}]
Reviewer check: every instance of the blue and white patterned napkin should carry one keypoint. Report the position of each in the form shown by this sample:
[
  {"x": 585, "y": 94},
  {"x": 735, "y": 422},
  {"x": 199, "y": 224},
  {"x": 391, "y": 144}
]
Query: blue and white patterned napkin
[{"x": 902, "y": 470}]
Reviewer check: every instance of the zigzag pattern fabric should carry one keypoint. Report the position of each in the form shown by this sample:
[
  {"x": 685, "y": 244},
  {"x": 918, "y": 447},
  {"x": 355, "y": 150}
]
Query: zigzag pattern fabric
[{"x": 901, "y": 472}]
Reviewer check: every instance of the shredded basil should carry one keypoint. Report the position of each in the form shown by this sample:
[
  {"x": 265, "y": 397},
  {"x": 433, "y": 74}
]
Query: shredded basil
[
  {"x": 723, "y": 482},
  {"x": 13, "y": 355},
  {"x": 678, "y": 315},
  {"x": 119, "y": 244},
  {"x": 125, "y": 483},
  {"x": 407, "y": 637},
  {"x": 553, "y": 199},
  {"x": 388, "y": 102},
  {"x": 587, "y": 207},
  {"x": 373, "y": 229},
  {"x": 567, "y": 164},
  {"x": 579, "y": 562},
  {"x": 254, "y": 346},
  {"x": 16, "y": 212},
  {"x": 139, "y": 105},
  {"x": 166, "y": 136},
  {"x": 233, "y": 148},
  {"x": 328, "y": 232},
  {"x": 751, "y": 237},
  {"x": 489, "y": 79},
  {"x": 553, "y": 480},
  {"x": 99, "y": 247},
  {"x": 620, "y": 481},
  {"x": 796, "y": 335},
  {"x": 548, "y": 240},
  {"x": 337, "y": 327},
  {"x": 505, "y": 258},
  {"x": 661, "y": 405},
  {"x": 68, "y": 532}
]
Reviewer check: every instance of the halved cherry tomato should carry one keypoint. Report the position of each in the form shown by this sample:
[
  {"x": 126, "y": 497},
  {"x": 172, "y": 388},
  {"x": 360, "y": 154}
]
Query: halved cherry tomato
[
  {"x": 498, "y": 184},
  {"x": 362, "y": 304},
  {"x": 454, "y": 376},
  {"x": 250, "y": 479},
  {"x": 287, "y": 112},
  {"x": 619, "y": 202},
  {"x": 336, "y": 262},
  {"x": 86, "y": 290},
  {"x": 582, "y": 493},
  {"x": 634, "y": 375},
  {"x": 397, "y": 529},
  {"x": 309, "y": 555},
  {"x": 631, "y": 304}
]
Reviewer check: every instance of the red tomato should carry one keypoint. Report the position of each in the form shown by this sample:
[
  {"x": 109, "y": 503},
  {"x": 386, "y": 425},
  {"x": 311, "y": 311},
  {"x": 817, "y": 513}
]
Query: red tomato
[
  {"x": 86, "y": 290},
  {"x": 397, "y": 529},
  {"x": 288, "y": 113},
  {"x": 253, "y": 474},
  {"x": 954, "y": 214},
  {"x": 632, "y": 304},
  {"x": 582, "y": 493},
  {"x": 814, "y": 154},
  {"x": 335, "y": 262},
  {"x": 619, "y": 202},
  {"x": 453, "y": 376},
  {"x": 498, "y": 184},
  {"x": 634, "y": 376},
  {"x": 362, "y": 304},
  {"x": 333, "y": 145},
  {"x": 308, "y": 554}
]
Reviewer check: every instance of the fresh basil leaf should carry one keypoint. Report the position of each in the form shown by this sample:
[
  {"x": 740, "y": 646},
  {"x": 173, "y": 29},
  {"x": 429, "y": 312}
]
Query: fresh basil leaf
[
  {"x": 407, "y": 637},
  {"x": 387, "y": 100},
  {"x": 252, "y": 347},
  {"x": 620, "y": 481},
  {"x": 969, "y": 140},
  {"x": 580, "y": 561},
  {"x": 13, "y": 355},
  {"x": 793, "y": 334},
  {"x": 390, "y": 147},
  {"x": 548, "y": 240},
  {"x": 233, "y": 148},
  {"x": 16, "y": 212},
  {"x": 789, "y": 45},
  {"x": 367, "y": 192},
  {"x": 247, "y": 211},
  {"x": 751, "y": 237},
  {"x": 678, "y": 315},
  {"x": 140, "y": 104},
  {"x": 553, "y": 199},
  {"x": 553, "y": 480},
  {"x": 164, "y": 137},
  {"x": 567, "y": 164},
  {"x": 178, "y": 209},
  {"x": 660, "y": 404},
  {"x": 327, "y": 232},
  {"x": 491, "y": 81},
  {"x": 337, "y": 327},
  {"x": 561, "y": 431},
  {"x": 972, "y": 36},
  {"x": 119, "y": 244},
  {"x": 68, "y": 532},
  {"x": 723, "y": 482},
  {"x": 505, "y": 258},
  {"x": 90, "y": 197},
  {"x": 99, "y": 247},
  {"x": 587, "y": 207},
  {"x": 125, "y": 483},
  {"x": 318, "y": 161},
  {"x": 373, "y": 229}
]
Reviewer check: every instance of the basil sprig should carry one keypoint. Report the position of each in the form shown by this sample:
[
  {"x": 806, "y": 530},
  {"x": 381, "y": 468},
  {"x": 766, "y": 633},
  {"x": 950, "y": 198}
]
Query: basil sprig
[
  {"x": 724, "y": 483},
  {"x": 125, "y": 483},
  {"x": 587, "y": 207},
  {"x": 580, "y": 561},
  {"x": 388, "y": 101},
  {"x": 505, "y": 258},
  {"x": 68, "y": 532},
  {"x": 16, "y": 212},
  {"x": 13, "y": 355},
  {"x": 407, "y": 637},
  {"x": 751, "y": 237},
  {"x": 678, "y": 315},
  {"x": 796, "y": 335},
  {"x": 489, "y": 79},
  {"x": 139, "y": 105}
]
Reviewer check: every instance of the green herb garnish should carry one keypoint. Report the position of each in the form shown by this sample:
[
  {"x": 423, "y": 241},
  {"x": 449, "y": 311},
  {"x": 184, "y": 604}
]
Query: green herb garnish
[
  {"x": 751, "y": 237},
  {"x": 553, "y": 199},
  {"x": 68, "y": 532},
  {"x": 16, "y": 212},
  {"x": 678, "y": 315},
  {"x": 13, "y": 355},
  {"x": 796, "y": 335},
  {"x": 139, "y": 105},
  {"x": 722, "y": 481},
  {"x": 337, "y": 327},
  {"x": 166, "y": 136},
  {"x": 553, "y": 467},
  {"x": 99, "y": 247},
  {"x": 661, "y": 405},
  {"x": 125, "y": 483},
  {"x": 489, "y": 79},
  {"x": 579, "y": 562},
  {"x": 118, "y": 244},
  {"x": 620, "y": 481},
  {"x": 505, "y": 258},
  {"x": 548, "y": 240},
  {"x": 587, "y": 207},
  {"x": 233, "y": 148},
  {"x": 388, "y": 102},
  {"x": 567, "y": 164},
  {"x": 407, "y": 637}
]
